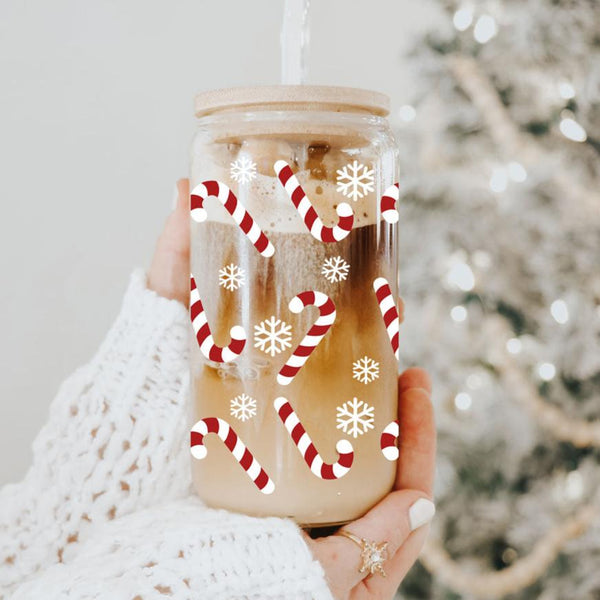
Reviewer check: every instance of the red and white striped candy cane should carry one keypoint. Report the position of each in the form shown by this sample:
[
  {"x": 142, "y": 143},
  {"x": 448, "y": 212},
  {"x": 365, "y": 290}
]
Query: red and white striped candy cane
[
  {"x": 234, "y": 207},
  {"x": 388, "y": 203},
  {"x": 389, "y": 439},
  {"x": 309, "y": 214},
  {"x": 315, "y": 334},
  {"x": 244, "y": 457},
  {"x": 389, "y": 311},
  {"x": 204, "y": 336},
  {"x": 307, "y": 448}
]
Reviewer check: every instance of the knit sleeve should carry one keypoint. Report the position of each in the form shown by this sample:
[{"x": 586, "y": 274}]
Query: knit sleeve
[
  {"x": 195, "y": 554},
  {"x": 115, "y": 440}
]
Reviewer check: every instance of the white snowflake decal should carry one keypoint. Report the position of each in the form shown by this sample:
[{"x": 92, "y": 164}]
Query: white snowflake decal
[
  {"x": 243, "y": 170},
  {"x": 232, "y": 277},
  {"x": 243, "y": 407},
  {"x": 355, "y": 180},
  {"x": 335, "y": 269},
  {"x": 365, "y": 370},
  {"x": 272, "y": 336},
  {"x": 355, "y": 417}
]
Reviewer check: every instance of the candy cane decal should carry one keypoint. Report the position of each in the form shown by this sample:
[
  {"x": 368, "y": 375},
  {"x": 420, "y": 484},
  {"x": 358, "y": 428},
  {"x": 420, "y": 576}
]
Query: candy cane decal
[
  {"x": 315, "y": 334},
  {"x": 243, "y": 456},
  {"x": 389, "y": 439},
  {"x": 204, "y": 336},
  {"x": 307, "y": 449},
  {"x": 234, "y": 207},
  {"x": 389, "y": 312},
  {"x": 308, "y": 213},
  {"x": 388, "y": 204}
]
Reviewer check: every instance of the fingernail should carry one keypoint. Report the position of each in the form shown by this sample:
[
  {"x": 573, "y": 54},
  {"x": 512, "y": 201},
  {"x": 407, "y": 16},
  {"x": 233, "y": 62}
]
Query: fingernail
[
  {"x": 420, "y": 513},
  {"x": 175, "y": 197}
]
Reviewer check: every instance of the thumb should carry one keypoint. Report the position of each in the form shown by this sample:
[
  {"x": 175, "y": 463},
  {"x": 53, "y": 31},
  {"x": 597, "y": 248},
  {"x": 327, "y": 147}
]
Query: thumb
[{"x": 169, "y": 273}]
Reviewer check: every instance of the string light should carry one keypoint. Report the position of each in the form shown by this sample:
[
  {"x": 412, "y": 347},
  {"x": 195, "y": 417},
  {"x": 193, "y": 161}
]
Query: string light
[
  {"x": 499, "y": 180},
  {"x": 514, "y": 345},
  {"x": 566, "y": 90},
  {"x": 474, "y": 381},
  {"x": 547, "y": 371},
  {"x": 458, "y": 313},
  {"x": 501, "y": 175},
  {"x": 407, "y": 113},
  {"x": 572, "y": 130},
  {"x": 482, "y": 259},
  {"x": 485, "y": 29},
  {"x": 560, "y": 311},
  {"x": 509, "y": 556},
  {"x": 574, "y": 487},
  {"x": 463, "y": 18},
  {"x": 517, "y": 172},
  {"x": 461, "y": 276},
  {"x": 463, "y": 401}
]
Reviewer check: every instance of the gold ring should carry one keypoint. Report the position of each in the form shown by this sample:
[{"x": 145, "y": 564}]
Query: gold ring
[{"x": 373, "y": 555}]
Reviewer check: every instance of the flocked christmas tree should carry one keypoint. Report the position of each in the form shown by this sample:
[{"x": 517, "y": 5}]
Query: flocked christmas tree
[{"x": 500, "y": 222}]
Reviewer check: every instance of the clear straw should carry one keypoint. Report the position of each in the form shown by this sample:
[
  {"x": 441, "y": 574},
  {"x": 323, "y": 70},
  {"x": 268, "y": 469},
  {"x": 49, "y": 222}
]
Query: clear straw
[{"x": 294, "y": 42}]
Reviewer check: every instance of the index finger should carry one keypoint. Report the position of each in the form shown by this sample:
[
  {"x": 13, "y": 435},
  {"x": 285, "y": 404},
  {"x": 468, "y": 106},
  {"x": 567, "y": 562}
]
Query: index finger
[{"x": 417, "y": 440}]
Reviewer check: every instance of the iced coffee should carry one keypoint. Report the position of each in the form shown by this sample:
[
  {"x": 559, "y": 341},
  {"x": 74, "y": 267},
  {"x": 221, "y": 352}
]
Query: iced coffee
[{"x": 317, "y": 365}]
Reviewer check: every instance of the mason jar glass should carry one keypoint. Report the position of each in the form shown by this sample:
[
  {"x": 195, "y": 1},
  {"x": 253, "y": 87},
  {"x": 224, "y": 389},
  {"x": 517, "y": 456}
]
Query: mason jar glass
[{"x": 293, "y": 288}]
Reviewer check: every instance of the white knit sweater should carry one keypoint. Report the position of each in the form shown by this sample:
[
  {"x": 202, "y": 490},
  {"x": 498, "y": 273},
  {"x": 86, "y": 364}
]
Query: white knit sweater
[{"x": 107, "y": 511}]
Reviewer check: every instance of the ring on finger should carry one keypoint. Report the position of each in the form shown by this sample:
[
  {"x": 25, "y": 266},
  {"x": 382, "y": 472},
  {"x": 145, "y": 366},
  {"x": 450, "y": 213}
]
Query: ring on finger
[{"x": 373, "y": 554}]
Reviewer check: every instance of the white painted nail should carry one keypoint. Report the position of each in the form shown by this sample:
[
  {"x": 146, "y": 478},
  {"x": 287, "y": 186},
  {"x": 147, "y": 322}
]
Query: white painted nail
[
  {"x": 420, "y": 513},
  {"x": 175, "y": 197}
]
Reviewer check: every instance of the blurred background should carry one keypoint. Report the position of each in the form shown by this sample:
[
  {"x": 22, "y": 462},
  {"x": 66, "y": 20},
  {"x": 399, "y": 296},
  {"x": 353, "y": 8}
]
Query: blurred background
[{"x": 496, "y": 106}]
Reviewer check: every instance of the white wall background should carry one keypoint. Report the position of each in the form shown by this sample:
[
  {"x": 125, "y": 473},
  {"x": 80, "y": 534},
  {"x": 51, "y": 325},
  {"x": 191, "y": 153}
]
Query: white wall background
[{"x": 95, "y": 122}]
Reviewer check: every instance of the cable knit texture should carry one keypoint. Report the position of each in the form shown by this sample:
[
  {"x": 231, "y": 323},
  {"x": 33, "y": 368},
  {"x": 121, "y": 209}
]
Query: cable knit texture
[{"x": 107, "y": 508}]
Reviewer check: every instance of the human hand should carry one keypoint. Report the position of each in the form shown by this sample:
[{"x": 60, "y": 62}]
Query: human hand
[
  {"x": 390, "y": 519},
  {"x": 402, "y": 517}
]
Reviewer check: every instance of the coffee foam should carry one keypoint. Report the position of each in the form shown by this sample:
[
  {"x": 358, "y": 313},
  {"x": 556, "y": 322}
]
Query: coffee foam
[{"x": 271, "y": 207}]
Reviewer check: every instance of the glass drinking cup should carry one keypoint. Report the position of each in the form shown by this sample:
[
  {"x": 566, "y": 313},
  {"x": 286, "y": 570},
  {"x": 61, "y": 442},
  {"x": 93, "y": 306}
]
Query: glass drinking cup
[{"x": 294, "y": 281}]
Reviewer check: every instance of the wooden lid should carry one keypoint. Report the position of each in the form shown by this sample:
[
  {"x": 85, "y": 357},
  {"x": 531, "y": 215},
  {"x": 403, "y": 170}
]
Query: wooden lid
[{"x": 293, "y": 97}]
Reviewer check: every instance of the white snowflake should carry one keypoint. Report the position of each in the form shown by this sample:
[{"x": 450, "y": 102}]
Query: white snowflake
[
  {"x": 272, "y": 336},
  {"x": 355, "y": 180},
  {"x": 355, "y": 417},
  {"x": 232, "y": 277},
  {"x": 243, "y": 170},
  {"x": 243, "y": 407},
  {"x": 365, "y": 370},
  {"x": 335, "y": 269}
]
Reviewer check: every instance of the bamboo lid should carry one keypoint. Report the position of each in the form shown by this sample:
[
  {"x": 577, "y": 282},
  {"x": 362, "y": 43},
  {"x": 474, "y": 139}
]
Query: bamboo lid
[{"x": 293, "y": 97}]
